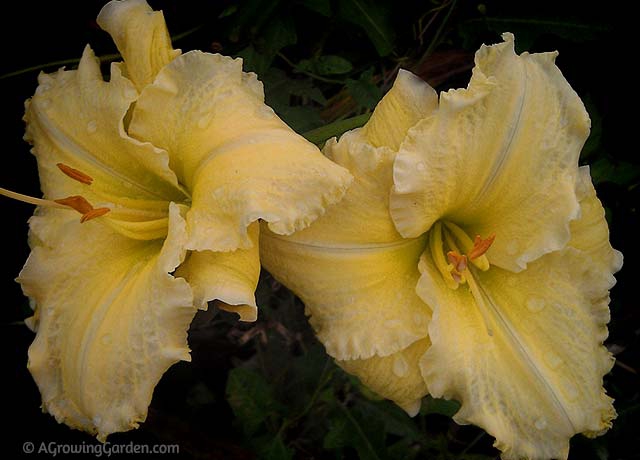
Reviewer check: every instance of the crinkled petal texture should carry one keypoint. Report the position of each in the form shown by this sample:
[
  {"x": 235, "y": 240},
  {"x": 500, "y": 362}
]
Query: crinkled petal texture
[
  {"x": 76, "y": 118},
  {"x": 396, "y": 377},
  {"x": 354, "y": 272},
  {"x": 110, "y": 318},
  {"x": 228, "y": 276},
  {"x": 141, "y": 36},
  {"x": 537, "y": 380},
  {"x": 500, "y": 157},
  {"x": 240, "y": 161}
]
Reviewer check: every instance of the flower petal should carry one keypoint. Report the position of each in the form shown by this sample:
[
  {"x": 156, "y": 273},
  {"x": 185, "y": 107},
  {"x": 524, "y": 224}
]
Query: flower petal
[
  {"x": 141, "y": 37},
  {"x": 75, "y": 118},
  {"x": 231, "y": 277},
  {"x": 409, "y": 100},
  {"x": 239, "y": 159},
  {"x": 528, "y": 368},
  {"x": 499, "y": 157},
  {"x": 351, "y": 267},
  {"x": 590, "y": 233},
  {"x": 396, "y": 377},
  {"x": 110, "y": 319}
]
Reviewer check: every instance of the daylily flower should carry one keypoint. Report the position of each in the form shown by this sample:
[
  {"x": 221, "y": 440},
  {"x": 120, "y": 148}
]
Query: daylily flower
[
  {"x": 171, "y": 163},
  {"x": 514, "y": 258}
]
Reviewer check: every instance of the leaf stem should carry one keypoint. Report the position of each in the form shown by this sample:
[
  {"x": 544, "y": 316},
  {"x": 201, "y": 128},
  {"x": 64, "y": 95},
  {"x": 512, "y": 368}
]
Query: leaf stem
[{"x": 320, "y": 135}]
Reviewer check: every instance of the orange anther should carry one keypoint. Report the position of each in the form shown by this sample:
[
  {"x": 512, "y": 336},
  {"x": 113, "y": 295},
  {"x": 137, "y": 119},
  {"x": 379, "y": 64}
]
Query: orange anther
[
  {"x": 93, "y": 214},
  {"x": 459, "y": 262},
  {"x": 76, "y": 202},
  {"x": 480, "y": 246},
  {"x": 75, "y": 174}
]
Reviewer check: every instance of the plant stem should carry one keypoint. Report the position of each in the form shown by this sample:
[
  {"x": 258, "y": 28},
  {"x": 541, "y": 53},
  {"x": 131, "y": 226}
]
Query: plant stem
[{"x": 320, "y": 135}]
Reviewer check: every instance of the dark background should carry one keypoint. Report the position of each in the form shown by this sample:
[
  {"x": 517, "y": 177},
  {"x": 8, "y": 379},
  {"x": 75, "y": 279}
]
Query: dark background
[{"x": 267, "y": 390}]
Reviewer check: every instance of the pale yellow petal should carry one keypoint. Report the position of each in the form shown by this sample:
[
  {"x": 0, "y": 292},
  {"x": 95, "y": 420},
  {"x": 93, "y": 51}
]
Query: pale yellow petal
[
  {"x": 590, "y": 233},
  {"x": 141, "y": 37},
  {"x": 241, "y": 162},
  {"x": 230, "y": 277},
  {"x": 396, "y": 377},
  {"x": 528, "y": 365},
  {"x": 407, "y": 102},
  {"x": 352, "y": 270},
  {"x": 499, "y": 157},
  {"x": 76, "y": 118},
  {"x": 110, "y": 319}
]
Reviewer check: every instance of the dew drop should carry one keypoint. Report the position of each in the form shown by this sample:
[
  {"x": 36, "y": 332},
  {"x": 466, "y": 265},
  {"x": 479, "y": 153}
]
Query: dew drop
[
  {"x": 265, "y": 113},
  {"x": 203, "y": 122},
  {"x": 106, "y": 339},
  {"x": 421, "y": 166},
  {"x": 553, "y": 360},
  {"x": 400, "y": 366},
  {"x": 541, "y": 423},
  {"x": 92, "y": 127},
  {"x": 418, "y": 319},
  {"x": 571, "y": 391},
  {"x": 535, "y": 304},
  {"x": 44, "y": 103}
]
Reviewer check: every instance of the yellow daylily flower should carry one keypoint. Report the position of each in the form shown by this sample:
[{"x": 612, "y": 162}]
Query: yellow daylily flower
[
  {"x": 171, "y": 163},
  {"x": 515, "y": 262}
]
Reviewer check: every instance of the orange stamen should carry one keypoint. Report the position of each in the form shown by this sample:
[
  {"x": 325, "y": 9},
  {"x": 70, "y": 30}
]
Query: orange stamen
[
  {"x": 459, "y": 262},
  {"x": 75, "y": 174},
  {"x": 76, "y": 202},
  {"x": 480, "y": 246},
  {"x": 93, "y": 214}
]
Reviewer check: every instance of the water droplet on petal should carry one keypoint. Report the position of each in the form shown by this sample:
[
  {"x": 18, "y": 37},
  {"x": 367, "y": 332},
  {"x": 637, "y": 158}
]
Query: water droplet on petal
[
  {"x": 553, "y": 360},
  {"x": 106, "y": 339},
  {"x": 571, "y": 391},
  {"x": 535, "y": 304},
  {"x": 44, "y": 103},
  {"x": 421, "y": 166},
  {"x": 541, "y": 423},
  {"x": 419, "y": 319},
  {"x": 203, "y": 122},
  {"x": 400, "y": 366},
  {"x": 92, "y": 127}
]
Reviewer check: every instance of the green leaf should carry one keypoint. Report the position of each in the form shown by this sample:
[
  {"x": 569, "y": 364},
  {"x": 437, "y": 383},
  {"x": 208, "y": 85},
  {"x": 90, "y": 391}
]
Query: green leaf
[
  {"x": 250, "y": 398},
  {"x": 279, "y": 33},
  {"x": 325, "y": 65},
  {"x": 253, "y": 61},
  {"x": 618, "y": 172},
  {"x": 373, "y": 17},
  {"x": 364, "y": 90},
  {"x": 445, "y": 407},
  {"x": 275, "y": 449},
  {"x": 350, "y": 428},
  {"x": 322, "y": 7}
]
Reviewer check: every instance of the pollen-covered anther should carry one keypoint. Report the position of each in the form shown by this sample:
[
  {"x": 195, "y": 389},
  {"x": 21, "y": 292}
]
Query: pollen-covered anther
[
  {"x": 93, "y": 214},
  {"x": 480, "y": 246},
  {"x": 76, "y": 202},
  {"x": 457, "y": 266},
  {"x": 75, "y": 174},
  {"x": 85, "y": 208}
]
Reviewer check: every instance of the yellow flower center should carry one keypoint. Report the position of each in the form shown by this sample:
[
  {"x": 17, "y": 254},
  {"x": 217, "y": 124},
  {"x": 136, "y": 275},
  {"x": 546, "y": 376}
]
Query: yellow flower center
[
  {"x": 137, "y": 219},
  {"x": 453, "y": 251}
]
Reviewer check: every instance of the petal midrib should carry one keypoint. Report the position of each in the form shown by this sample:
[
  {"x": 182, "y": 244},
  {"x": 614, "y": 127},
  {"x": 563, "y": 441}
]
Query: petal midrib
[
  {"x": 499, "y": 163},
  {"x": 65, "y": 143},
  {"x": 336, "y": 247},
  {"x": 522, "y": 349}
]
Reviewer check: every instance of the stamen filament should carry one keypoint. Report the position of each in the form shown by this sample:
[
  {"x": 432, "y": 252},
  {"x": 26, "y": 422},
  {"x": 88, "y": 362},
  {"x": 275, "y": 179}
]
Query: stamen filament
[
  {"x": 437, "y": 252},
  {"x": 461, "y": 236},
  {"x": 477, "y": 296},
  {"x": 30, "y": 199}
]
